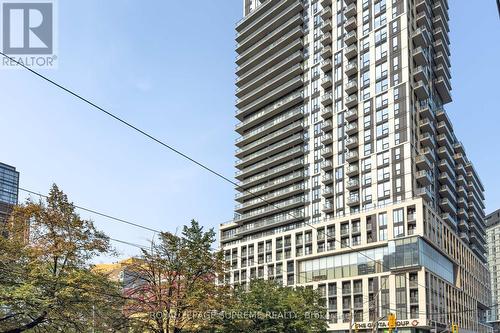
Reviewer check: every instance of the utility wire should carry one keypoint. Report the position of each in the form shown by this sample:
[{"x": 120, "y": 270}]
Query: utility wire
[
  {"x": 303, "y": 274},
  {"x": 98, "y": 213},
  {"x": 176, "y": 151}
]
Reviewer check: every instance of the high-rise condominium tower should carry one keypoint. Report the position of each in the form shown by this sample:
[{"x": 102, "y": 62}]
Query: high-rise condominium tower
[{"x": 351, "y": 179}]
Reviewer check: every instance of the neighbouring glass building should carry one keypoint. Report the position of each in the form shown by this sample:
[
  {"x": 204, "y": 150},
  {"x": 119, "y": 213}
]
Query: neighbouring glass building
[
  {"x": 342, "y": 123},
  {"x": 9, "y": 190}
]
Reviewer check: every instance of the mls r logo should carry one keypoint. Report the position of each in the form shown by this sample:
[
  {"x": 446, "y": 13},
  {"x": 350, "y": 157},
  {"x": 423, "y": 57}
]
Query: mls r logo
[{"x": 27, "y": 28}]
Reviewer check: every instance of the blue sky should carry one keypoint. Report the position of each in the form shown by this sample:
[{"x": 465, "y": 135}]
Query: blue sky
[{"x": 168, "y": 67}]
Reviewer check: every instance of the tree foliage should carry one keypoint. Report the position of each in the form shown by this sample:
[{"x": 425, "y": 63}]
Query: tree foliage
[
  {"x": 174, "y": 283},
  {"x": 46, "y": 283},
  {"x": 269, "y": 307}
]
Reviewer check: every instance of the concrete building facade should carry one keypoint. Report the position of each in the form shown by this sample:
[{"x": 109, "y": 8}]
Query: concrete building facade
[
  {"x": 351, "y": 179},
  {"x": 493, "y": 244}
]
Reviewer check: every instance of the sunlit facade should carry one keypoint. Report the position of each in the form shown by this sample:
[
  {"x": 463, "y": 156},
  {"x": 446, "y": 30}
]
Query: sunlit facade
[{"x": 342, "y": 124}]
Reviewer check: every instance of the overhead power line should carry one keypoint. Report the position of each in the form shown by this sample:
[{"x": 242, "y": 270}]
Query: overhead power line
[
  {"x": 183, "y": 155},
  {"x": 98, "y": 213}
]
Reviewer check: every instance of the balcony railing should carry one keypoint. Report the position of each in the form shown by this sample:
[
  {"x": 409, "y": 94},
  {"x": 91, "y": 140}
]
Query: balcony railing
[
  {"x": 269, "y": 209},
  {"x": 265, "y": 163},
  {"x": 296, "y": 113},
  {"x": 275, "y": 107},
  {"x": 273, "y": 84},
  {"x": 270, "y": 184},
  {"x": 267, "y": 138},
  {"x": 268, "y": 151}
]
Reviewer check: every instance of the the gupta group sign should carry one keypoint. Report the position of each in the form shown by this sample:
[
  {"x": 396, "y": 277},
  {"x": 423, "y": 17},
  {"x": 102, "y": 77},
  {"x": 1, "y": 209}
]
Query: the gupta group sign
[
  {"x": 384, "y": 324},
  {"x": 28, "y": 33}
]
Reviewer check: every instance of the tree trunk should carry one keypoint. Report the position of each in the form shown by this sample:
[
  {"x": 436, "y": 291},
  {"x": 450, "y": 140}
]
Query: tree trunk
[{"x": 34, "y": 323}]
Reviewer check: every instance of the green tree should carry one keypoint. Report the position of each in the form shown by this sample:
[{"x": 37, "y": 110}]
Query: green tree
[
  {"x": 46, "y": 280},
  {"x": 171, "y": 285},
  {"x": 269, "y": 307}
]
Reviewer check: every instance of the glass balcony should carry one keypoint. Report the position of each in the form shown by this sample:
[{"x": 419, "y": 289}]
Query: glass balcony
[
  {"x": 351, "y": 38},
  {"x": 247, "y": 97},
  {"x": 327, "y": 26},
  {"x": 270, "y": 150},
  {"x": 421, "y": 90},
  {"x": 351, "y": 24},
  {"x": 270, "y": 162},
  {"x": 438, "y": 21},
  {"x": 328, "y": 191},
  {"x": 326, "y": 52},
  {"x": 270, "y": 185},
  {"x": 426, "y": 125},
  {"x": 326, "y": 13},
  {"x": 351, "y": 68},
  {"x": 443, "y": 87},
  {"x": 327, "y": 99},
  {"x": 420, "y": 56},
  {"x": 423, "y": 177},
  {"x": 326, "y": 152},
  {"x": 427, "y": 140},
  {"x": 446, "y": 192},
  {"x": 269, "y": 139},
  {"x": 327, "y": 165},
  {"x": 251, "y": 26},
  {"x": 328, "y": 207},
  {"x": 421, "y": 37},
  {"x": 351, "y": 51},
  {"x": 351, "y": 101},
  {"x": 327, "y": 178},
  {"x": 265, "y": 49},
  {"x": 441, "y": 46},
  {"x": 351, "y": 87},
  {"x": 351, "y": 114},
  {"x": 421, "y": 73},
  {"x": 424, "y": 193},
  {"x": 267, "y": 210},
  {"x": 274, "y": 172},
  {"x": 327, "y": 126},
  {"x": 423, "y": 162},
  {"x": 350, "y": 11},
  {"x": 444, "y": 141},
  {"x": 291, "y": 15},
  {"x": 326, "y": 82},
  {"x": 444, "y": 153},
  {"x": 443, "y": 165},
  {"x": 421, "y": 5},
  {"x": 439, "y": 10},
  {"x": 283, "y": 218},
  {"x": 352, "y": 156},
  {"x": 353, "y": 201},
  {"x": 326, "y": 65},
  {"x": 259, "y": 102},
  {"x": 326, "y": 112},
  {"x": 351, "y": 142},
  {"x": 352, "y": 170},
  {"x": 351, "y": 128},
  {"x": 269, "y": 111},
  {"x": 327, "y": 138},
  {"x": 326, "y": 39},
  {"x": 272, "y": 66},
  {"x": 446, "y": 205},
  {"x": 423, "y": 20}
]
